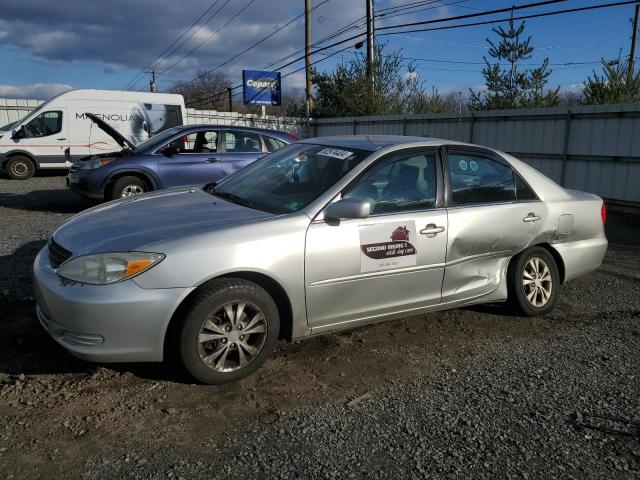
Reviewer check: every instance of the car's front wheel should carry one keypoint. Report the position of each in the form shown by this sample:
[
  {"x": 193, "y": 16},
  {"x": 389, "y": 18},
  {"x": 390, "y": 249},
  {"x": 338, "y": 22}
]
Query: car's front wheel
[
  {"x": 230, "y": 329},
  {"x": 128, "y": 186},
  {"x": 533, "y": 281}
]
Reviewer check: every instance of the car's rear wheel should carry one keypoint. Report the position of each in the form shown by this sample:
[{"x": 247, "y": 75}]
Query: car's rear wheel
[
  {"x": 20, "y": 167},
  {"x": 128, "y": 186},
  {"x": 229, "y": 330},
  {"x": 533, "y": 281}
]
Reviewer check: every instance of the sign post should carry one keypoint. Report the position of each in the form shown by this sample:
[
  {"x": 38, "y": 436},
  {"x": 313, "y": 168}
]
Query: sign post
[{"x": 261, "y": 88}]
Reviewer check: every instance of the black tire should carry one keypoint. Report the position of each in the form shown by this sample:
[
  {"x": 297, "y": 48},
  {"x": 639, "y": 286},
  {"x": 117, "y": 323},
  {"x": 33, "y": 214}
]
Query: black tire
[
  {"x": 126, "y": 187},
  {"x": 20, "y": 167},
  {"x": 202, "y": 309},
  {"x": 523, "y": 298}
]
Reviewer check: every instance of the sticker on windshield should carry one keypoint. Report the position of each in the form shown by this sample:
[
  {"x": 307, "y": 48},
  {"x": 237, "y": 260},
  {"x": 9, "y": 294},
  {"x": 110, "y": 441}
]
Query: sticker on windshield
[
  {"x": 463, "y": 165},
  {"x": 473, "y": 165},
  {"x": 386, "y": 246},
  {"x": 335, "y": 153}
]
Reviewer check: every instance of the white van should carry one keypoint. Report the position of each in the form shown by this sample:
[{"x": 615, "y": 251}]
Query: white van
[{"x": 58, "y": 131}]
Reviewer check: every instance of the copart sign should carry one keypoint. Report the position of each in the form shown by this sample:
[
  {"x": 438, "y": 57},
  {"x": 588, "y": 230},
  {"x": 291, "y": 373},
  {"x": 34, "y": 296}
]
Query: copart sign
[
  {"x": 261, "y": 88},
  {"x": 387, "y": 246}
]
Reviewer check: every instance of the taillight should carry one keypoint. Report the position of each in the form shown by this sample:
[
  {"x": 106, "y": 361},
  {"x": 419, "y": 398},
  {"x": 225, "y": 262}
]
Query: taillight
[{"x": 603, "y": 213}]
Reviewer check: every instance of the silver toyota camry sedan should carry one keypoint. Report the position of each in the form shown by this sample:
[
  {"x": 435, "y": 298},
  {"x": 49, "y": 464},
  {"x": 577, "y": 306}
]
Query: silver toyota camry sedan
[{"x": 325, "y": 234}]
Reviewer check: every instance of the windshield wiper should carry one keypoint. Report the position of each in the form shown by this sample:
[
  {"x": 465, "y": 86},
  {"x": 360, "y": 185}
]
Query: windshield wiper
[{"x": 231, "y": 196}]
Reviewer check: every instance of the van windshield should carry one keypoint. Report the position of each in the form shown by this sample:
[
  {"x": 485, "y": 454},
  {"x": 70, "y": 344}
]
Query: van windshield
[
  {"x": 28, "y": 116},
  {"x": 8, "y": 126}
]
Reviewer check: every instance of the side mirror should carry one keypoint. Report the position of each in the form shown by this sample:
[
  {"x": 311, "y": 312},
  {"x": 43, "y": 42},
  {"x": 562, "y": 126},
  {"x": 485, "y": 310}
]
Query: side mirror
[
  {"x": 347, "y": 208},
  {"x": 169, "y": 151},
  {"x": 19, "y": 133}
]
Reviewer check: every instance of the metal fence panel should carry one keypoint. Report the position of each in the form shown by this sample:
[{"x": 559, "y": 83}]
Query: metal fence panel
[{"x": 591, "y": 148}]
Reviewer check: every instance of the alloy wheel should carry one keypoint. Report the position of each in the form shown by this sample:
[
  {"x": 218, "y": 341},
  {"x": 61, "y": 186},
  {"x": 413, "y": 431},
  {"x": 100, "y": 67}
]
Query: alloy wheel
[
  {"x": 232, "y": 336},
  {"x": 131, "y": 190},
  {"x": 537, "y": 282}
]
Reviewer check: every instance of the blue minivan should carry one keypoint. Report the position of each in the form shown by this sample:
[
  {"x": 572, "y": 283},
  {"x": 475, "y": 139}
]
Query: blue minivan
[{"x": 180, "y": 156}]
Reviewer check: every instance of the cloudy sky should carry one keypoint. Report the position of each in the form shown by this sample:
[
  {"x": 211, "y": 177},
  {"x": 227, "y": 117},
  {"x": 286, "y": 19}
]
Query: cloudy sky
[{"x": 49, "y": 46}]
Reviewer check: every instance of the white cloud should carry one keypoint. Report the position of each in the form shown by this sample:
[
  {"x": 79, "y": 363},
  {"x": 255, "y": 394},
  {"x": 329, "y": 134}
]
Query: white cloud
[{"x": 39, "y": 91}]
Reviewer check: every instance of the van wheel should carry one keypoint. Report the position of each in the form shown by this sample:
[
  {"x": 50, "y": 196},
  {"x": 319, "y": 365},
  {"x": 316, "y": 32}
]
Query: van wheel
[
  {"x": 229, "y": 331},
  {"x": 20, "y": 168},
  {"x": 533, "y": 282},
  {"x": 128, "y": 187}
]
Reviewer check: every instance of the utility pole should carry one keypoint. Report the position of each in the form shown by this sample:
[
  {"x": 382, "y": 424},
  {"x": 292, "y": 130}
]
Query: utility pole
[
  {"x": 308, "y": 104},
  {"x": 230, "y": 101},
  {"x": 370, "y": 42},
  {"x": 152, "y": 82},
  {"x": 634, "y": 41}
]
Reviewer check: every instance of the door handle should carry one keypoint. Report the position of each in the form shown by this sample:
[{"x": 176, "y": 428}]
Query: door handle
[
  {"x": 212, "y": 159},
  {"x": 62, "y": 139},
  {"x": 532, "y": 217},
  {"x": 431, "y": 230}
]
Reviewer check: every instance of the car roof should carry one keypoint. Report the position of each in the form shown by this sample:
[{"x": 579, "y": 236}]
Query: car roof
[
  {"x": 371, "y": 142},
  {"x": 235, "y": 127}
]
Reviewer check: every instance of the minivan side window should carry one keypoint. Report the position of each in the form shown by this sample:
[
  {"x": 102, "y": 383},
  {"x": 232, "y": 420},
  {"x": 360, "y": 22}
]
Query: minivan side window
[
  {"x": 407, "y": 182},
  {"x": 477, "y": 180},
  {"x": 45, "y": 124}
]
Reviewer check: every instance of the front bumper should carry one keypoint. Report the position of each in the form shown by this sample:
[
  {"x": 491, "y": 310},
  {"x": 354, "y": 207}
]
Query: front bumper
[
  {"x": 82, "y": 183},
  {"x": 121, "y": 322}
]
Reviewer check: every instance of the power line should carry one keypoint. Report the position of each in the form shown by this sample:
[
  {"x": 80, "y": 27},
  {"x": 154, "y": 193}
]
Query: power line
[
  {"x": 473, "y": 15},
  {"x": 519, "y": 7},
  {"x": 184, "y": 32},
  {"x": 215, "y": 95},
  {"x": 230, "y": 59},
  {"x": 487, "y": 22},
  {"x": 215, "y": 32}
]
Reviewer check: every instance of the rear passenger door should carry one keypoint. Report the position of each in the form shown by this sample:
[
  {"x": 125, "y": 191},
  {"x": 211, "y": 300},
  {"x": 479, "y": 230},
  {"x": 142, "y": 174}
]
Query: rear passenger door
[
  {"x": 493, "y": 214},
  {"x": 238, "y": 149}
]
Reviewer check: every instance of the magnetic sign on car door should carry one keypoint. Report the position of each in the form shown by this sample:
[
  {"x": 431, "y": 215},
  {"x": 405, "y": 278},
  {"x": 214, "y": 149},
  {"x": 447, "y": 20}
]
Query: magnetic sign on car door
[{"x": 387, "y": 245}]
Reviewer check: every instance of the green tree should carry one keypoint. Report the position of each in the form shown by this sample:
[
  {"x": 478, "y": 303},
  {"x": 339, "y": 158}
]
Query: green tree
[
  {"x": 511, "y": 86},
  {"x": 617, "y": 84},
  {"x": 347, "y": 91}
]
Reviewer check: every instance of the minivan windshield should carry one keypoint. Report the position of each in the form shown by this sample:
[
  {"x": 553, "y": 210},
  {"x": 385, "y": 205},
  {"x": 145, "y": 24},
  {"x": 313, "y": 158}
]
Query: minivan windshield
[
  {"x": 158, "y": 140},
  {"x": 289, "y": 179}
]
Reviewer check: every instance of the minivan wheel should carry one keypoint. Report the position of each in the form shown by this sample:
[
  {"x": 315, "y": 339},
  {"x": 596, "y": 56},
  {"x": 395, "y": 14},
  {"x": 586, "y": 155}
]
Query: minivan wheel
[
  {"x": 229, "y": 330},
  {"x": 129, "y": 186},
  {"x": 533, "y": 281},
  {"x": 20, "y": 168}
]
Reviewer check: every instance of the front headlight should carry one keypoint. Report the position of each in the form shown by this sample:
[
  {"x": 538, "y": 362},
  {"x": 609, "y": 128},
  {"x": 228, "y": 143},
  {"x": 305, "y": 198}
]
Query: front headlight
[
  {"x": 105, "y": 268},
  {"x": 97, "y": 163}
]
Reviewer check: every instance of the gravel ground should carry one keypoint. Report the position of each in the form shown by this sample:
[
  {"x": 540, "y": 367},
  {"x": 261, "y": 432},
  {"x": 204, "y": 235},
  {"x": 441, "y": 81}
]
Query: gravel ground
[{"x": 470, "y": 393}]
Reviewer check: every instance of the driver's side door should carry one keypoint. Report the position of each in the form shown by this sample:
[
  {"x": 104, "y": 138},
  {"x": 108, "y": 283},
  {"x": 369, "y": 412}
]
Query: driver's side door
[
  {"x": 194, "y": 160},
  {"x": 365, "y": 270}
]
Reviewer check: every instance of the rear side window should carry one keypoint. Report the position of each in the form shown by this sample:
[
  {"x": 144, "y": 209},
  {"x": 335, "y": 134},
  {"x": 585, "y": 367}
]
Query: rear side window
[
  {"x": 273, "y": 144},
  {"x": 523, "y": 191},
  {"x": 477, "y": 180},
  {"x": 242, "y": 142},
  {"x": 45, "y": 124}
]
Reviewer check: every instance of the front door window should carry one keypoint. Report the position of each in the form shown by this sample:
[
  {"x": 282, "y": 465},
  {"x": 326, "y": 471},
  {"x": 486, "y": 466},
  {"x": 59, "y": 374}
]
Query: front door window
[{"x": 45, "y": 124}]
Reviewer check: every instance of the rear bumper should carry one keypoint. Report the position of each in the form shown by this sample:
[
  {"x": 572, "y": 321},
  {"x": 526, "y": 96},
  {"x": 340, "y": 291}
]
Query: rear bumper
[
  {"x": 121, "y": 322},
  {"x": 582, "y": 257}
]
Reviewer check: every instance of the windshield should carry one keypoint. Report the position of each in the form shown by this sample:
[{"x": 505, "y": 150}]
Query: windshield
[
  {"x": 8, "y": 126},
  {"x": 290, "y": 179},
  {"x": 28, "y": 116},
  {"x": 159, "y": 139}
]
